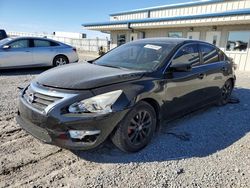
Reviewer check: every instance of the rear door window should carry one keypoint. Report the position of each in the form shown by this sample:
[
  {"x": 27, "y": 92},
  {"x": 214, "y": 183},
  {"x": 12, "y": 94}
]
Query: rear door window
[
  {"x": 188, "y": 54},
  {"x": 209, "y": 53},
  {"x": 53, "y": 43},
  {"x": 41, "y": 43}
]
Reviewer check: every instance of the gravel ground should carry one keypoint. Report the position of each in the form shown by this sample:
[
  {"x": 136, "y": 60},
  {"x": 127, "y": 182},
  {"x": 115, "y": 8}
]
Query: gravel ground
[{"x": 209, "y": 148}]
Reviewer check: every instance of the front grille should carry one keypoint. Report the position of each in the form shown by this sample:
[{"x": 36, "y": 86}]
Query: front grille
[{"x": 38, "y": 100}]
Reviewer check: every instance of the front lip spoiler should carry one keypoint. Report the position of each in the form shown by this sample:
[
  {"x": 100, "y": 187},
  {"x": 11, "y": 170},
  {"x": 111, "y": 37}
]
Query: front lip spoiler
[{"x": 47, "y": 137}]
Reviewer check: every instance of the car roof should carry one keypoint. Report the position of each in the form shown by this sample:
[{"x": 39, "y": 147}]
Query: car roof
[
  {"x": 28, "y": 37},
  {"x": 40, "y": 38},
  {"x": 168, "y": 40}
]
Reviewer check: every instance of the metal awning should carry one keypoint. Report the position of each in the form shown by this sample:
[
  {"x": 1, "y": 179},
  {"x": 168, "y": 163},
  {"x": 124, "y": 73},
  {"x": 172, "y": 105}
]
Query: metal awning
[{"x": 223, "y": 18}]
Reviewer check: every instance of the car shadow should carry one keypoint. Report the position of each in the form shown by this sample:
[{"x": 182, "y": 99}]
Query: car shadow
[
  {"x": 23, "y": 71},
  {"x": 199, "y": 134}
]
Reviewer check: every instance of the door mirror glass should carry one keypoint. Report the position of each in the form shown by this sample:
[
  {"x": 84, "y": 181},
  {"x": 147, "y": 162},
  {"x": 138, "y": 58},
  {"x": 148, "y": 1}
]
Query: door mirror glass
[
  {"x": 184, "y": 67},
  {"x": 6, "y": 47}
]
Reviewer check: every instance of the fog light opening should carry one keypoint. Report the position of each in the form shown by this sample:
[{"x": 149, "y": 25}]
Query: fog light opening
[
  {"x": 63, "y": 136},
  {"x": 84, "y": 135}
]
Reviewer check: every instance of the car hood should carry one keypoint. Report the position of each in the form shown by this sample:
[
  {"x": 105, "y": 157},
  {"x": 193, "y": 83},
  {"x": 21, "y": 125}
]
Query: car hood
[{"x": 85, "y": 76}]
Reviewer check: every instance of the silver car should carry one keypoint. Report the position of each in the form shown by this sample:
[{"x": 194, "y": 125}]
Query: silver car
[{"x": 25, "y": 52}]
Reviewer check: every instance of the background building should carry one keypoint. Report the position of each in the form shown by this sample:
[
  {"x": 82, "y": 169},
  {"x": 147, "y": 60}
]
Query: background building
[
  {"x": 224, "y": 23},
  {"x": 70, "y": 35}
]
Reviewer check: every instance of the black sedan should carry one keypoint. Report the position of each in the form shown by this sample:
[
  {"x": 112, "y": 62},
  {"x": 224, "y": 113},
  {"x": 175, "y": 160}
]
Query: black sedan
[{"x": 125, "y": 94}]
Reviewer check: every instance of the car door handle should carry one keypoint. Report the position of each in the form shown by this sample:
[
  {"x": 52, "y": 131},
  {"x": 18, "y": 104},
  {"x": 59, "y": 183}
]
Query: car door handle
[{"x": 201, "y": 76}]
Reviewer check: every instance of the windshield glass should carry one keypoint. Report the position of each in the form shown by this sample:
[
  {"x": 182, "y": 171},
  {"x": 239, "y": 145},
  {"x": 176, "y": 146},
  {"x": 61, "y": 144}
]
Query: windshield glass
[
  {"x": 4, "y": 41},
  {"x": 138, "y": 56}
]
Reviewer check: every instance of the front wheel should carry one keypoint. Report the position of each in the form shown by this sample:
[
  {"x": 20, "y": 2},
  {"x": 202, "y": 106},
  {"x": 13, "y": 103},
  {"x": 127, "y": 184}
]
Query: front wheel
[
  {"x": 60, "y": 60},
  {"x": 226, "y": 92},
  {"x": 136, "y": 129}
]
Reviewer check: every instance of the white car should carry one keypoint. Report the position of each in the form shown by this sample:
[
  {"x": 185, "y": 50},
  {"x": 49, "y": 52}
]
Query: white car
[{"x": 25, "y": 52}]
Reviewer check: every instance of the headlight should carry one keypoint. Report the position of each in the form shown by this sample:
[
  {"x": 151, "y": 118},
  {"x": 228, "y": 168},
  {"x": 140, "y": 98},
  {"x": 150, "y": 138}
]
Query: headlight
[{"x": 99, "y": 104}]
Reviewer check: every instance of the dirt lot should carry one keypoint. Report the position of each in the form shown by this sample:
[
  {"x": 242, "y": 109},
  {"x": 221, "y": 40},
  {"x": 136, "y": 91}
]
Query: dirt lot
[{"x": 209, "y": 148}]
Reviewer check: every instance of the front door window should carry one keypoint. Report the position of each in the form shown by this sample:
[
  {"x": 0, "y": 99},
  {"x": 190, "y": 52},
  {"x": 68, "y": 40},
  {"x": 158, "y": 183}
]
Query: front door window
[
  {"x": 20, "y": 44},
  {"x": 188, "y": 54}
]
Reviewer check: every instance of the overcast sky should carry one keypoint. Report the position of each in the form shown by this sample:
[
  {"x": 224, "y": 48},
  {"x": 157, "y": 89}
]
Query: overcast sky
[{"x": 65, "y": 15}]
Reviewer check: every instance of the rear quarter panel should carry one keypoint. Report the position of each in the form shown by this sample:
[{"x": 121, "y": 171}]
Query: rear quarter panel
[{"x": 68, "y": 52}]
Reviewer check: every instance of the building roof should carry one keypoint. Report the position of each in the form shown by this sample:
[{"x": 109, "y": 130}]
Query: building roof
[
  {"x": 148, "y": 20},
  {"x": 193, "y": 3}
]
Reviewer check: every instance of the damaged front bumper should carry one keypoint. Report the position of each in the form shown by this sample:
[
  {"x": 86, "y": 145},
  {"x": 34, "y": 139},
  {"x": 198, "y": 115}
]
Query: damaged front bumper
[{"x": 70, "y": 131}]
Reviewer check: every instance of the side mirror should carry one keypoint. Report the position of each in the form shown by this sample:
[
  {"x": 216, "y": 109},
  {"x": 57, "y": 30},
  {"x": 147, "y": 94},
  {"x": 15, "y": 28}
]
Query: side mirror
[
  {"x": 5, "y": 47},
  {"x": 91, "y": 61},
  {"x": 182, "y": 67}
]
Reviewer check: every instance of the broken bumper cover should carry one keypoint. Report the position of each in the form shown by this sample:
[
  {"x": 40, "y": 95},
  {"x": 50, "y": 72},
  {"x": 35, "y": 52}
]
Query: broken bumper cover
[{"x": 71, "y": 132}]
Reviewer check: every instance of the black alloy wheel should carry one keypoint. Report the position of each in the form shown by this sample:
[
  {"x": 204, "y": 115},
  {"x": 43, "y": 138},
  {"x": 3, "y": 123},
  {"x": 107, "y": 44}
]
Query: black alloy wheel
[
  {"x": 226, "y": 92},
  {"x": 137, "y": 128},
  {"x": 140, "y": 127}
]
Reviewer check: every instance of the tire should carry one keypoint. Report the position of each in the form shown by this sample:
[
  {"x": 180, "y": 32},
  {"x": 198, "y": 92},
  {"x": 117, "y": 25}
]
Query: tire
[
  {"x": 136, "y": 130},
  {"x": 226, "y": 92},
  {"x": 60, "y": 60}
]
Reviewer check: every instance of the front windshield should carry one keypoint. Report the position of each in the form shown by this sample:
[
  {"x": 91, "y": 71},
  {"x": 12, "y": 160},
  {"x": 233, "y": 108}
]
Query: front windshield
[
  {"x": 4, "y": 41},
  {"x": 138, "y": 56}
]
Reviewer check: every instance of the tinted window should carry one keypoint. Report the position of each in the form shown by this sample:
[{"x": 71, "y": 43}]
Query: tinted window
[
  {"x": 187, "y": 54},
  {"x": 222, "y": 56},
  {"x": 41, "y": 43},
  {"x": 209, "y": 53},
  {"x": 53, "y": 43},
  {"x": 20, "y": 44}
]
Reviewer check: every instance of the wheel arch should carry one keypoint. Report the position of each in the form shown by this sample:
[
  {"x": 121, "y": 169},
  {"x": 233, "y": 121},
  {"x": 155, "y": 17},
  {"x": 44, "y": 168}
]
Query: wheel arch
[
  {"x": 152, "y": 102},
  {"x": 58, "y": 55}
]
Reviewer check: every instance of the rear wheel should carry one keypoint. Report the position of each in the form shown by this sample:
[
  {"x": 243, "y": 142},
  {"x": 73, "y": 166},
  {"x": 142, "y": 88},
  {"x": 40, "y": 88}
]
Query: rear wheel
[
  {"x": 60, "y": 60},
  {"x": 226, "y": 92},
  {"x": 136, "y": 129}
]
